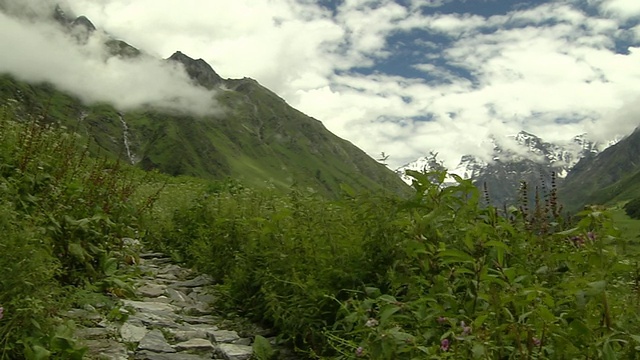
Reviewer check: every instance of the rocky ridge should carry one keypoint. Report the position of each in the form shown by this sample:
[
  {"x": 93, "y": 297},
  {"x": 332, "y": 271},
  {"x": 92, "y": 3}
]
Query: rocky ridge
[{"x": 172, "y": 319}]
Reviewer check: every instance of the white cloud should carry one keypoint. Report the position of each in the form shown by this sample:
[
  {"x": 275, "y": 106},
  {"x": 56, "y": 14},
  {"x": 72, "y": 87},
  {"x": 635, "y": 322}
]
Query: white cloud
[
  {"x": 551, "y": 69},
  {"x": 625, "y": 9},
  {"x": 44, "y": 53}
]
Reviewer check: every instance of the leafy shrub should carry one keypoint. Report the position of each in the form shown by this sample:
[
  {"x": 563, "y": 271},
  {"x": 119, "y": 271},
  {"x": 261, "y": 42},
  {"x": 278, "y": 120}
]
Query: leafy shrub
[
  {"x": 632, "y": 208},
  {"x": 62, "y": 218}
]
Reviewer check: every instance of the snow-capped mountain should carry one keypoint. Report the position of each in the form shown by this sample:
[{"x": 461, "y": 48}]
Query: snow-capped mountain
[{"x": 517, "y": 158}]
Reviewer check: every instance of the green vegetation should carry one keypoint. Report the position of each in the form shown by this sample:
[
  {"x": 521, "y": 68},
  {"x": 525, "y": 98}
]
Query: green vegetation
[
  {"x": 256, "y": 138},
  {"x": 632, "y": 208},
  {"x": 368, "y": 275},
  {"x": 435, "y": 276},
  {"x": 63, "y": 217},
  {"x": 608, "y": 178}
]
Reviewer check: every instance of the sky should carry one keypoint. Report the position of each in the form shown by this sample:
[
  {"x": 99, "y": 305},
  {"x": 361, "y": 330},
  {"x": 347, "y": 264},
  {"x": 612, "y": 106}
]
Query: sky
[{"x": 403, "y": 77}]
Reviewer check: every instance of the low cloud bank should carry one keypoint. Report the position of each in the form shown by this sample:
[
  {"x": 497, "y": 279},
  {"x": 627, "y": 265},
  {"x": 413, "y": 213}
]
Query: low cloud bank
[{"x": 39, "y": 50}]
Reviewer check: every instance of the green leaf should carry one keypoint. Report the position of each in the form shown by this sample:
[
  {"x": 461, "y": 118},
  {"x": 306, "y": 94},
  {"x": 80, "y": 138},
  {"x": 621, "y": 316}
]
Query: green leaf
[
  {"x": 262, "y": 349},
  {"x": 479, "y": 321},
  {"x": 399, "y": 335},
  {"x": 478, "y": 351},
  {"x": 597, "y": 287},
  {"x": 77, "y": 251},
  {"x": 579, "y": 329},
  {"x": 110, "y": 266},
  {"x": 607, "y": 352},
  {"x": 387, "y": 312},
  {"x": 453, "y": 255},
  {"x": 546, "y": 315},
  {"x": 635, "y": 337},
  {"x": 40, "y": 353},
  {"x": 497, "y": 244},
  {"x": 372, "y": 291},
  {"x": 568, "y": 232},
  {"x": 387, "y": 298}
]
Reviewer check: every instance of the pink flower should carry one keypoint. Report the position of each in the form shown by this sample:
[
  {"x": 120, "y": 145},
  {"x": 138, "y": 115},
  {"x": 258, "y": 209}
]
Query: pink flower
[{"x": 444, "y": 345}]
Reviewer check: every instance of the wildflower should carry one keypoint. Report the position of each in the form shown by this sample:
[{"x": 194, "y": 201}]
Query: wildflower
[
  {"x": 444, "y": 345},
  {"x": 360, "y": 351},
  {"x": 441, "y": 320},
  {"x": 591, "y": 235},
  {"x": 371, "y": 323},
  {"x": 466, "y": 330},
  {"x": 1, "y": 312},
  {"x": 577, "y": 240},
  {"x": 536, "y": 341}
]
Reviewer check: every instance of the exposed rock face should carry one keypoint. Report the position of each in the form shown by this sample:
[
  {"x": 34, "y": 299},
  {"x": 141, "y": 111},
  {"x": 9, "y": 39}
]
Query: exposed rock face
[
  {"x": 84, "y": 22},
  {"x": 122, "y": 49},
  {"x": 201, "y": 72}
]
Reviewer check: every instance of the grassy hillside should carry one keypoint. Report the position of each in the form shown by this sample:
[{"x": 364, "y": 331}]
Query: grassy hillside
[
  {"x": 609, "y": 177},
  {"x": 259, "y": 139}
]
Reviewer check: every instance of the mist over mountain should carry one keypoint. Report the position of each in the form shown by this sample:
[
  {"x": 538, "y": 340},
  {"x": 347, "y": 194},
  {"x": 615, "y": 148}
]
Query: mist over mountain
[
  {"x": 69, "y": 52},
  {"x": 523, "y": 157},
  {"x": 176, "y": 115}
]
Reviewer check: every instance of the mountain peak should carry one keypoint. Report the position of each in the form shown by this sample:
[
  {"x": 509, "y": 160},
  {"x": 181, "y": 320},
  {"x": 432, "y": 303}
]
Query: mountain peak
[
  {"x": 84, "y": 22},
  {"x": 199, "y": 70}
]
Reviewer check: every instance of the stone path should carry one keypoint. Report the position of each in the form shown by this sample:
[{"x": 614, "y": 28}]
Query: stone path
[{"x": 171, "y": 320}]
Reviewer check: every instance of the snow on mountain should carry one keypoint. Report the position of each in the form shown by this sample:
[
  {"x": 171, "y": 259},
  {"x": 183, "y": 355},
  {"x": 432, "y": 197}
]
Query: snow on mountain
[{"x": 558, "y": 157}]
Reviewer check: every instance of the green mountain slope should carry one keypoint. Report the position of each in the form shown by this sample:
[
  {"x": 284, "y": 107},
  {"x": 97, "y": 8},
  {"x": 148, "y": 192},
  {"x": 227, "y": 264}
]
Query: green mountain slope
[
  {"x": 259, "y": 139},
  {"x": 611, "y": 176},
  {"x": 256, "y": 136}
]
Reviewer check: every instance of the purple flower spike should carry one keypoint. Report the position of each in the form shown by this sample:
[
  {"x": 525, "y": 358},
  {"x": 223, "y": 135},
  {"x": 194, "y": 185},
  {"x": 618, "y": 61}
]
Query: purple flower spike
[{"x": 444, "y": 345}]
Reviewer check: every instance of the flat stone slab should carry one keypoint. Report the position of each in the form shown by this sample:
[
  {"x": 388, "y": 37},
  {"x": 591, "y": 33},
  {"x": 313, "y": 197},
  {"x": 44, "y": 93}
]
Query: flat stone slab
[
  {"x": 152, "y": 290},
  {"x": 200, "y": 280},
  {"x": 148, "y": 355},
  {"x": 155, "y": 341},
  {"x": 224, "y": 336},
  {"x": 132, "y": 333},
  {"x": 205, "y": 319},
  {"x": 202, "y": 297},
  {"x": 178, "y": 296},
  {"x": 160, "y": 299},
  {"x": 194, "y": 344},
  {"x": 83, "y": 314},
  {"x": 208, "y": 330},
  {"x": 167, "y": 276},
  {"x": 197, "y": 309},
  {"x": 150, "y": 306},
  {"x": 155, "y": 320},
  {"x": 93, "y": 333},
  {"x": 234, "y": 352},
  {"x": 107, "y": 349},
  {"x": 186, "y": 335}
]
